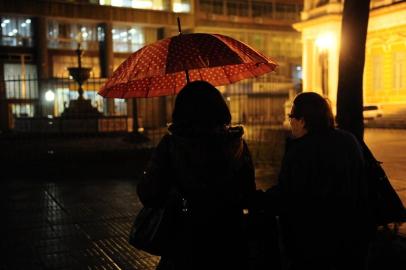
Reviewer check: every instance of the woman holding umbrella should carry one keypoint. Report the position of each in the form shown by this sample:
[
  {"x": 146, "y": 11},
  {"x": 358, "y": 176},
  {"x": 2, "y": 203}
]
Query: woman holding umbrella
[{"x": 210, "y": 164}]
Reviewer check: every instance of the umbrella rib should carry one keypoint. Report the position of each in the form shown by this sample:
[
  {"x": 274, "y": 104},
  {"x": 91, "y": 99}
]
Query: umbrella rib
[
  {"x": 253, "y": 59},
  {"x": 148, "y": 88},
  {"x": 136, "y": 71},
  {"x": 219, "y": 37},
  {"x": 200, "y": 74},
  {"x": 226, "y": 75}
]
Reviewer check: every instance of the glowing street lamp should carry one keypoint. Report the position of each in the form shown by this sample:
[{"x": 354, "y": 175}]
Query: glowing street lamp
[
  {"x": 49, "y": 96},
  {"x": 324, "y": 43}
]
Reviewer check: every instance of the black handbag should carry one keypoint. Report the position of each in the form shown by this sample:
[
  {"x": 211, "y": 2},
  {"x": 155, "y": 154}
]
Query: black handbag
[
  {"x": 385, "y": 202},
  {"x": 154, "y": 228},
  {"x": 262, "y": 234}
]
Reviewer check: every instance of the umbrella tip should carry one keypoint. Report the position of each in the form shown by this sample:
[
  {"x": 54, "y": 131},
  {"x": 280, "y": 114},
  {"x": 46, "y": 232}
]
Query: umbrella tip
[{"x": 179, "y": 28}]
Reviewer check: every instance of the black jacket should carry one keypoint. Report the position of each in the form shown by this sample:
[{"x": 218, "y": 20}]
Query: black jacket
[
  {"x": 322, "y": 196},
  {"x": 213, "y": 170}
]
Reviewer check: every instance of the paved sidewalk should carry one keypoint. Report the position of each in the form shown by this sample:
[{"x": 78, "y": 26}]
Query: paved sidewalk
[
  {"x": 74, "y": 223},
  {"x": 84, "y": 224},
  {"x": 69, "y": 224}
]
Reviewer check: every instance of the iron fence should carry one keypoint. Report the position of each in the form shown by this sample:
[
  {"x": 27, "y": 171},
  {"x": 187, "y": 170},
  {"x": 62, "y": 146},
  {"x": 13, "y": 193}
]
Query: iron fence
[{"x": 36, "y": 105}]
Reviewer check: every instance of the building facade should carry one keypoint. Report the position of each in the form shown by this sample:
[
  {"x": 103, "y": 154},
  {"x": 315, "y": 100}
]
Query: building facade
[
  {"x": 385, "y": 61},
  {"x": 39, "y": 38}
]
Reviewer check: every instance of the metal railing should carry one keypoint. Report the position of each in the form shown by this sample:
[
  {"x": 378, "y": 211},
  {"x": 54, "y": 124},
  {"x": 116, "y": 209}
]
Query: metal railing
[
  {"x": 105, "y": 124},
  {"x": 257, "y": 104}
]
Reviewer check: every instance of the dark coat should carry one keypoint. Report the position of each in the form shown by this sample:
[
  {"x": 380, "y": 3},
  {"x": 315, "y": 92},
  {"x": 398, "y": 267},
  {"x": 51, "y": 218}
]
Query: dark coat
[
  {"x": 322, "y": 198},
  {"x": 214, "y": 172}
]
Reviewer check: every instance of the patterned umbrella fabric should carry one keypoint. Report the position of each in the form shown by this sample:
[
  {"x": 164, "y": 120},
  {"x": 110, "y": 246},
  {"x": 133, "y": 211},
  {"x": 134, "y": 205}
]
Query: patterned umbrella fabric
[{"x": 164, "y": 67}]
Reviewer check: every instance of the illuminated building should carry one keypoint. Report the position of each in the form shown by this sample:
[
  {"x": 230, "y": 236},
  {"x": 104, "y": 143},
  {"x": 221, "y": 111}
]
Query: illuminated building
[
  {"x": 38, "y": 40},
  {"x": 385, "y": 63}
]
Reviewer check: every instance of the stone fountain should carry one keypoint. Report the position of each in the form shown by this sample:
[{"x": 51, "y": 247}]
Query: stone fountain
[{"x": 80, "y": 108}]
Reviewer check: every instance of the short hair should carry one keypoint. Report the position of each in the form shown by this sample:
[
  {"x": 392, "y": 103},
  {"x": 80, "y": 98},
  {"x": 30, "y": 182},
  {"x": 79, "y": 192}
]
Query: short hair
[
  {"x": 200, "y": 104},
  {"x": 315, "y": 110}
]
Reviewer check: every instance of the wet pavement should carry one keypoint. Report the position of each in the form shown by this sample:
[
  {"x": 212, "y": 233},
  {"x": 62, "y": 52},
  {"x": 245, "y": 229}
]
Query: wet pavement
[
  {"x": 70, "y": 224},
  {"x": 73, "y": 223}
]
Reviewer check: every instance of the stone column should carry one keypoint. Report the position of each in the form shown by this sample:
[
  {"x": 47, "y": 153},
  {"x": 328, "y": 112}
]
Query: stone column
[
  {"x": 4, "y": 110},
  {"x": 43, "y": 71},
  {"x": 107, "y": 59},
  {"x": 170, "y": 5}
]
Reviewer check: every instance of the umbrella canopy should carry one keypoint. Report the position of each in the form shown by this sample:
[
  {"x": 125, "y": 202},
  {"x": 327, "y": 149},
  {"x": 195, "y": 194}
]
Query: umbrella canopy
[{"x": 164, "y": 67}]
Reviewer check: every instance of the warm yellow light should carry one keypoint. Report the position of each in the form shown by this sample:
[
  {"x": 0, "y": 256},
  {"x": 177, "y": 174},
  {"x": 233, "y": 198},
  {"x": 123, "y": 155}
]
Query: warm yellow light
[
  {"x": 142, "y": 4},
  {"x": 181, "y": 7},
  {"x": 325, "y": 41}
]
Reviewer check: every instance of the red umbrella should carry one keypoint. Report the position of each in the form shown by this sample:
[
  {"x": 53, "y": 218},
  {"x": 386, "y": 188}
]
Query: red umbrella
[{"x": 164, "y": 67}]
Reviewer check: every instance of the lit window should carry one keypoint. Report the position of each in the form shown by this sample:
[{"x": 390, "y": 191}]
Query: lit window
[
  {"x": 95, "y": 99},
  {"x": 237, "y": 8},
  {"x": 120, "y": 106},
  {"x": 16, "y": 32},
  {"x": 399, "y": 68},
  {"x": 100, "y": 34},
  {"x": 63, "y": 35},
  {"x": 140, "y": 4},
  {"x": 22, "y": 110},
  {"x": 21, "y": 81},
  {"x": 128, "y": 39},
  {"x": 62, "y": 98},
  {"x": 181, "y": 6},
  {"x": 377, "y": 75}
]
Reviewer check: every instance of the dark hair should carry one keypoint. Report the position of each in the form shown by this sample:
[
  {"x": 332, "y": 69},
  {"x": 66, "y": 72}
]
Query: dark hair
[
  {"x": 315, "y": 110},
  {"x": 200, "y": 104}
]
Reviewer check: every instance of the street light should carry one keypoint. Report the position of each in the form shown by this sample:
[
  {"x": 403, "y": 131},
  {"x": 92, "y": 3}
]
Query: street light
[
  {"x": 49, "y": 96},
  {"x": 324, "y": 42}
]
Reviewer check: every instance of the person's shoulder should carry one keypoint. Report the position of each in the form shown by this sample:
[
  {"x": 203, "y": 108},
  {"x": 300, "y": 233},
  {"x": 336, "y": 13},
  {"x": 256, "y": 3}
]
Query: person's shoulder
[
  {"x": 166, "y": 138},
  {"x": 165, "y": 142},
  {"x": 346, "y": 138},
  {"x": 344, "y": 134}
]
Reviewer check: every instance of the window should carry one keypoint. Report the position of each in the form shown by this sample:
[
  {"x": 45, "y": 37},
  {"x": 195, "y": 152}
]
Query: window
[
  {"x": 262, "y": 9},
  {"x": 140, "y": 4},
  {"x": 297, "y": 73},
  {"x": 16, "y": 32},
  {"x": 257, "y": 41},
  {"x": 127, "y": 39},
  {"x": 237, "y": 8},
  {"x": 22, "y": 110},
  {"x": 63, "y": 35},
  {"x": 180, "y": 6},
  {"x": 95, "y": 99},
  {"x": 377, "y": 76},
  {"x": 217, "y": 7},
  {"x": 101, "y": 35},
  {"x": 399, "y": 69},
  {"x": 287, "y": 11},
  {"x": 120, "y": 106},
  {"x": 206, "y": 5},
  {"x": 21, "y": 81},
  {"x": 62, "y": 98}
]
